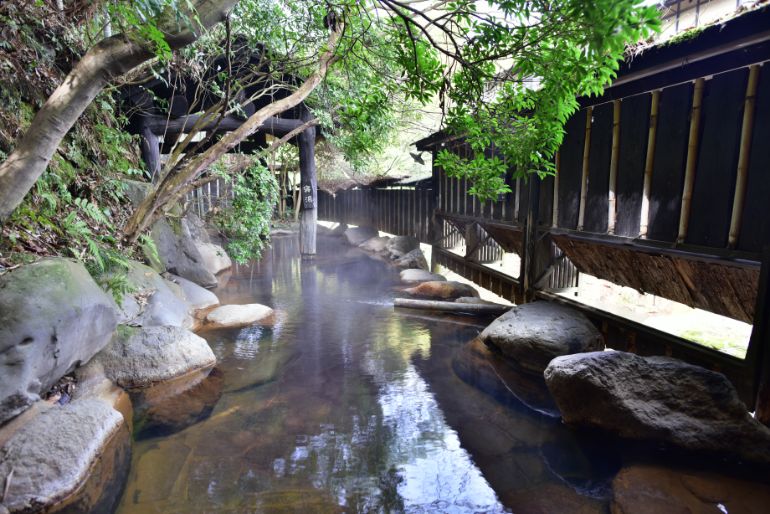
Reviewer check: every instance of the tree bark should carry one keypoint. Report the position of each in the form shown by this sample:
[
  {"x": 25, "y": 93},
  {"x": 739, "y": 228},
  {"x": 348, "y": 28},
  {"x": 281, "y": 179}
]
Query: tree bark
[
  {"x": 106, "y": 60},
  {"x": 172, "y": 186}
]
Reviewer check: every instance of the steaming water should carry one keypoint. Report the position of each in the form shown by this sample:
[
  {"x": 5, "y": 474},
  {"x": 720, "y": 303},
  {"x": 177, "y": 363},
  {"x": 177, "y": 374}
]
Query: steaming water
[{"x": 346, "y": 405}]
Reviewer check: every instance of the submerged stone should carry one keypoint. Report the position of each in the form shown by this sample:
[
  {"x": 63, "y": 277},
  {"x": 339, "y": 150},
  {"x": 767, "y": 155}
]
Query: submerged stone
[
  {"x": 70, "y": 458},
  {"x": 442, "y": 290},
  {"x": 176, "y": 404},
  {"x": 53, "y": 317},
  {"x": 477, "y": 365},
  {"x": 533, "y": 334},
  {"x": 646, "y": 489},
  {"x": 658, "y": 399},
  {"x": 228, "y": 316},
  {"x": 139, "y": 357}
]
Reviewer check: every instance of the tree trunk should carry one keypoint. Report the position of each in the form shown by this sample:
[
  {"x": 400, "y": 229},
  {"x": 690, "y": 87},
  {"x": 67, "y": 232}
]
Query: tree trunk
[
  {"x": 108, "y": 59},
  {"x": 172, "y": 186}
]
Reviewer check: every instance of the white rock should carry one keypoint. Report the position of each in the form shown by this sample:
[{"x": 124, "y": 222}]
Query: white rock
[
  {"x": 238, "y": 315},
  {"x": 411, "y": 276},
  {"x": 197, "y": 296}
]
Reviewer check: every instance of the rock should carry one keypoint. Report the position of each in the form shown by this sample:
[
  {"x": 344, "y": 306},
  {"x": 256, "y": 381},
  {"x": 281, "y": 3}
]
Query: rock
[
  {"x": 215, "y": 258},
  {"x": 174, "y": 405},
  {"x": 136, "y": 191},
  {"x": 154, "y": 301},
  {"x": 195, "y": 295},
  {"x": 339, "y": 230},
  {"x": 196, "y": 227},
  {"x": 411, "y": 276},
  {"x": 534, "y": 333},
  {"x": 375, "y": 244},
  {"x": 73, "y": 457},
  {"x": 401, "y": 245},
  {"x": 53, "y": 317},
  {"x": 357, "y": 235},
  {"x": 643, "y": 489},
  {"x": 179, "y": 253},
  {"x": 658, "y": 399},
  {"x": 412, "y": 260},
  {"x": 238, "y": 315},
  {"x": 442, "y": 290},
  {"x": 477, "y": 365},
  {"x": 139, "y": 357}
]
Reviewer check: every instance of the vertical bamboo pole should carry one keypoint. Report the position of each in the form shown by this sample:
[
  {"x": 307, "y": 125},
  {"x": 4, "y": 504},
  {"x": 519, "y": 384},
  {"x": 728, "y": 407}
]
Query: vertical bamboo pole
[
  {"x": 584, "y": 178},
  {"x": 555, "y": 210},
  {"x": 612, "y": 200},
  {"x": 743, "y": 156},
  {"x": 649, "y": 162},
  {"x": 692, "y": 160}
]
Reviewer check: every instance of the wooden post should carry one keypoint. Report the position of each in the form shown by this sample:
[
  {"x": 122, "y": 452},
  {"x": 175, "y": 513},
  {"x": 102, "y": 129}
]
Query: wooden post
[
  {"x": 743, "y": 155},
  {"x": 308, "y": 192},
  {"x": 759, "y": 347},
  {"x": 644, "y": 218},
  {"x": 692, "y": 160},
  {"x": 584, "y": 178},
  {"x": 612, "y": 201},
  {"x": 529, "y": 269}
]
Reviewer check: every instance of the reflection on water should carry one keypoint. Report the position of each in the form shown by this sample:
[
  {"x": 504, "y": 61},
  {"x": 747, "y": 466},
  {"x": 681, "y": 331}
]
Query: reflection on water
[{"x": 345, "y": 405}]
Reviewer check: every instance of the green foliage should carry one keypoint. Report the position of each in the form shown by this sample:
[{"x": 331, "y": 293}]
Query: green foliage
[
  {"x": 513, "y": 117},
  {"x": 246, "y": 222}
]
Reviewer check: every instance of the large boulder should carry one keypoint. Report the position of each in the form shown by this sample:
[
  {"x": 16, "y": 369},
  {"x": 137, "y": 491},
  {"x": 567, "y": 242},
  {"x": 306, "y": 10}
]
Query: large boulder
[
  {"x": 73, "y": 457},
  {"x": 215, "y": 258},
  {"x": 412, "y": 260},
  {"x": 153, "y": 301},
  {"x": 534, "y": 333},
  {"x": 195, "y": 295},
  {"x": 645, "y": 489},
  {"x": 414, "y": 276},
  {"x": 375, "y": 244},
  {"x": 53, "y": 317},
  {"x": 442, "y": 290},
  {"x": 178, "y": 252},
  {"x": 658, "y": 399},
  {"x": 402, "y": 245},
  {"x": 232, "y": 316},
  {"x": 136, "y": 191},
  {"x": 357, "y": 235},
  {"x": 140, "y": 357}
]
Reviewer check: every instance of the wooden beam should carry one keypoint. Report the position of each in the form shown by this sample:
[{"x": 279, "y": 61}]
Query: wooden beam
[
  {"x": 161, "y": 125},
  {"x": 453, "y": 307}
]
